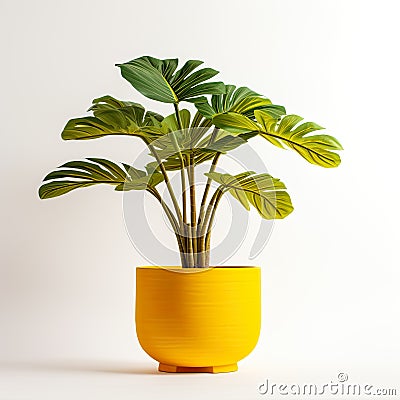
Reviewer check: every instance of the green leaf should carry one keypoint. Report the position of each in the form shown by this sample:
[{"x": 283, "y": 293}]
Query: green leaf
[
  {"x": 274, "y": 110},
  {"x": 193, "y": 141},
  {"x": 185, "y": 141},
  {"x": 142, "y": 183},
  {"x": 157, "y": 79},
  {"x": 316, "y": 149},
  {"x": 173, "y": 163},
  {"x": 58, "y": 188},
  {"x": 171, "y": 124},
  {"x": 241, "y": 100},
  {"x": 235, "y": 123},
  {"x": 78, "y": 174},
  {"x": 226, "y": 110},
  {"x": 265, "y": 193},
  {"x": 224, "y": 142},
  {"x": 114, "y": 117}
]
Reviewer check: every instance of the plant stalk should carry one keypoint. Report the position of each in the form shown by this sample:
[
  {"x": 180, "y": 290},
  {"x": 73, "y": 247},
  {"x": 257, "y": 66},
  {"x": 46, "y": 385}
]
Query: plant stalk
[
  {"x": 209, "y": 228},
  {"x": 193, "y": 208},
  {"x": 207, "y": 190},
  {"x": 187, "y": 230},
  {"x": 209, "y": 180},
  {"x": 200, "y": 237},
  {"x": 174, "y": 223},
  {"x": 168, "y": 184},
  {"x": 206, "y": 226}
]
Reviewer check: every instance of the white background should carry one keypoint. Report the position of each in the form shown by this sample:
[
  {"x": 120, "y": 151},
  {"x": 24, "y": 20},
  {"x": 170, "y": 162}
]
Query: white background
[{"x": 330, "y": 271}]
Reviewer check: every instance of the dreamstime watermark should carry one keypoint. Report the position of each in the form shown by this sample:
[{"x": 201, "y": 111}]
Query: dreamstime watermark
[
  {"x": 147, "y": 225},
  {"x": 338, "y": 387}
]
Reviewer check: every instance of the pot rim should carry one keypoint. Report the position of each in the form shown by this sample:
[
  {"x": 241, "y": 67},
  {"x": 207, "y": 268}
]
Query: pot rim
[{"x": 180, "y": 268}]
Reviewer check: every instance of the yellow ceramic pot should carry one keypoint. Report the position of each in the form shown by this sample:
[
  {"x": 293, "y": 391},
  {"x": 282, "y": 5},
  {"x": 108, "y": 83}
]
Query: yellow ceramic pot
[{"x": 198, "y": 320}]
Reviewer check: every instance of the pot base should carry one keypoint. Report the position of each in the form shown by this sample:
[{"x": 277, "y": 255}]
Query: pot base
[{"x": 212, "y": 370}]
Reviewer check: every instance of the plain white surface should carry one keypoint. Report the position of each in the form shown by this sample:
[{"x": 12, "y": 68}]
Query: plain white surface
[{"x": 330, "y": 271}]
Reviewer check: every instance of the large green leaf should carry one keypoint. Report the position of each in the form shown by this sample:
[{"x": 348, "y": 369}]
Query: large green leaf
[
  {"x": 235, "y": 101},
  {"x": 241, "y": 100},
  {"x": 170, "y": 123},
  {"x": 159, "y": 80},
  {"x": 114, "y": 117},
  {"x": 194, "y": 142},
  {"x": 316, "y": 149},
  {"x": 265, "y": 193},
  {"x": 235, "y": 123},
  {"x": 224, "y": 141},
  {"x": 186, "y": 141},
  {"x": 93, "y": 171}
]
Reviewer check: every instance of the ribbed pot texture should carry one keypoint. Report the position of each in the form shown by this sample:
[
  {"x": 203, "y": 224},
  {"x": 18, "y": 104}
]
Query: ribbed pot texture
[{"x": 198, "y": 320}]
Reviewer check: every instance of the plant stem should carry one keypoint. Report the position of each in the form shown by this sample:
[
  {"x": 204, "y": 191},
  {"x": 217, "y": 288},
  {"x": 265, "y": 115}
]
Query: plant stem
[
  {"x": 168, "y": 184},
  {"x": 200, "y": 237},
  {"x": 206, "y": 226},
  {"x": 178, "y": 116},
  {"x": 207, "y": 189},
  {"x": 209, "y": 228},
  {"x": 211, "y": 210},
  {"x": 189, "y": 244},
  {"x": 209, "y": 180},
  {"x": 183, "y": 180},
  {"x": 193, "y": 208},
  {"x": 173, "y": 222}
]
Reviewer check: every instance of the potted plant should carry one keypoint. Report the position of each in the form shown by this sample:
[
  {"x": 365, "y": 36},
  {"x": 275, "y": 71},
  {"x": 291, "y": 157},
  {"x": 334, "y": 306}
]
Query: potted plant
[{"x": 207, "y": 321}]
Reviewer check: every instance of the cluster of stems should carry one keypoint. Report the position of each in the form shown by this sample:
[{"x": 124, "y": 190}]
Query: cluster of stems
[{"x": 192, "y": 233}]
